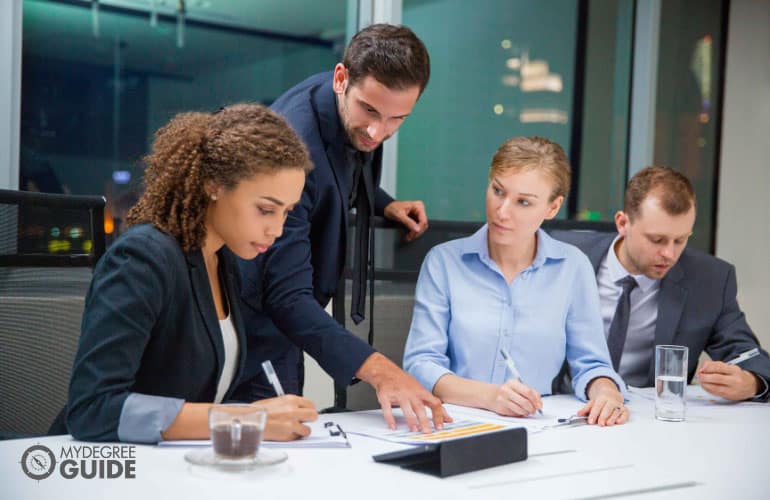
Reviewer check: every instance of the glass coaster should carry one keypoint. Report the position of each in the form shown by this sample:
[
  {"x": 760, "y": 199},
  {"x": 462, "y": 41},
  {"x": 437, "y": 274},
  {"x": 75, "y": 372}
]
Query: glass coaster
[{"x": 206, "y": 457}]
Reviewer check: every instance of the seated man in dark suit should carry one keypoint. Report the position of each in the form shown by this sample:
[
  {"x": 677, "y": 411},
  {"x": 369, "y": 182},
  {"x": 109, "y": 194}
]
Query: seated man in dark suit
[
  {"x": 653, "y": 290},
  {"x": 343, "y": 116}
]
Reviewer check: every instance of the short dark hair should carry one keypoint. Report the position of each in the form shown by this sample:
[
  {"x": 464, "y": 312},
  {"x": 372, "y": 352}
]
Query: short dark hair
[
  {"x": 673, "y": 189},
  {"x": 392, "y": 54}
]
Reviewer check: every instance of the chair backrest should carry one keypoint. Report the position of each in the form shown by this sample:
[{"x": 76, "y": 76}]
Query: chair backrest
[
  {"x": 49, "y": 244},
  {"x": 396, "y": 268}
]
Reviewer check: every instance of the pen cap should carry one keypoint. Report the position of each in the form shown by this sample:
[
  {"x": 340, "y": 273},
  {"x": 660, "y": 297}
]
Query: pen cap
[{"x": 267, "y": 366}]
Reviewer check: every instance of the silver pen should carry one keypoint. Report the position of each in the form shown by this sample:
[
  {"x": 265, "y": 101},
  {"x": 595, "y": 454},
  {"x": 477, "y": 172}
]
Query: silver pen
[
  {"x": 744, "y": 356},
  {"x": 514, "y": 371},
  {"x": 573, "y": 419},
  {"x": 267, "y": 366}
]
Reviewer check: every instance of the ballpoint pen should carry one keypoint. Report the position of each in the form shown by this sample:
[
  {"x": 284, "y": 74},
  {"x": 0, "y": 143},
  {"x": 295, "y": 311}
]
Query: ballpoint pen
[
  {"x": 267, "y": 366},
  {"x": 514, "y": 371},
  {"x": 573, "y": 419},
  {"x": 744, "y": 356},
  {"x": 568, "y": 421}
]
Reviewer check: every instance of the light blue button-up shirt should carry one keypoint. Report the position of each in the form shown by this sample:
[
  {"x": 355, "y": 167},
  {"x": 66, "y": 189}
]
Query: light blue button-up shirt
[{"x": 465, "y": 312}]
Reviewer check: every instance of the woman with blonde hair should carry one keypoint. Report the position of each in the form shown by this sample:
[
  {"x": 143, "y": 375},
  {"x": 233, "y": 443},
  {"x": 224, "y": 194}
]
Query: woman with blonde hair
[
  {"x": 162, "y": 337},
  {"x": 512, "y": 290}
]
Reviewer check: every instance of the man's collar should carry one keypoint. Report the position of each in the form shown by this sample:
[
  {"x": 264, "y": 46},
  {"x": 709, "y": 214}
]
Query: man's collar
[
  {"x": 330, "y": 125},
  {"x": 618, "y": 271}
]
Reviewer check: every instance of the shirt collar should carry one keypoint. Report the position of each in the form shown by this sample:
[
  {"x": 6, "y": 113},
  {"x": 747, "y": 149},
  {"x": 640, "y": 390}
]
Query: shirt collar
[
  {"x": 547, "y": 247},
  {"x": 358, "y": 158},
  {"x": 618, "y": 271}
]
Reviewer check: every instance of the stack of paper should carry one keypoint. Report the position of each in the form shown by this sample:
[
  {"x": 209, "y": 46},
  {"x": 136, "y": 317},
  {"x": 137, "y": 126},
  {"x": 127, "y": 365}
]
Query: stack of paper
[{"x": 324, "y": 434}]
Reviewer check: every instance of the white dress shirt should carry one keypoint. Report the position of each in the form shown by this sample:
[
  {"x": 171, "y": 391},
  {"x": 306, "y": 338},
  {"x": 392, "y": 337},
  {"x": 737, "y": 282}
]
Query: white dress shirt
[{"x": 640, "y": 339}]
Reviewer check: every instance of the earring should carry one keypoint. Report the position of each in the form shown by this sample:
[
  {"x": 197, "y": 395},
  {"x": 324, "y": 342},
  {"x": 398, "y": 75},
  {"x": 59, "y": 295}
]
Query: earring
[{"x": 214, "y": 197}]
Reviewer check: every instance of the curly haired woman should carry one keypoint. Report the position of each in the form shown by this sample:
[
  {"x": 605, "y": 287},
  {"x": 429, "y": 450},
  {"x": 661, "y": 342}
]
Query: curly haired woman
[{"x": 162, "y": 337}]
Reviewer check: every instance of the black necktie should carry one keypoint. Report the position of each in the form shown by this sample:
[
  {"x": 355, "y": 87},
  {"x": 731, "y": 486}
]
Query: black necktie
[
  {"x": 364, "y": 203},
  {"x": 619, "y": 326}
]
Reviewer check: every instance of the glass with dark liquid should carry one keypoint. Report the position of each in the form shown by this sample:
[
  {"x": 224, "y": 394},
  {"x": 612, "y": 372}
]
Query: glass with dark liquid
[{"x": 236, "y": 430}]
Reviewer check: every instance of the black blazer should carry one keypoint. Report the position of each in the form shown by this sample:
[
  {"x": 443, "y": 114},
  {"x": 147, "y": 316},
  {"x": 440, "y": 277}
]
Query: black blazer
[
  {"x": 150, "y": 327},
  {"x": 289, "y": 285},
  {"x": 697, "y": 306}
]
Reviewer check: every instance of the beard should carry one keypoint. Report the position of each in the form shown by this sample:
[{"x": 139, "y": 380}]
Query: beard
[
  {"x": 357, "y": 137},
  {"x": 649, "y": 269}
]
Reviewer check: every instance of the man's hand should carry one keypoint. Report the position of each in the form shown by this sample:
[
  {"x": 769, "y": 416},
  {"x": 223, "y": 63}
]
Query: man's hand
[
  {"x": 728, "y": 381},
  {"x": 409, "y": 213},
  {"x": 396, "y": 388}
]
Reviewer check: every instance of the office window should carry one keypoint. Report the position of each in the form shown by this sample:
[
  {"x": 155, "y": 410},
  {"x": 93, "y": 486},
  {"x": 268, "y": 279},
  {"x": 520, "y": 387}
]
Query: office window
[
  {"x": 95, "y": 87},
  {"x": 560, "y": 69},
  {"x": 498, "y": 69},
  {"x": 604, "y": 124},
  {"x": 688, "y": 103}
]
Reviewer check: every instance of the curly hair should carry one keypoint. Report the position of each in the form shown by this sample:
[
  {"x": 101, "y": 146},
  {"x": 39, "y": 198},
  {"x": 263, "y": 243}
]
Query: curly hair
[{"x": 221, "y": 148}]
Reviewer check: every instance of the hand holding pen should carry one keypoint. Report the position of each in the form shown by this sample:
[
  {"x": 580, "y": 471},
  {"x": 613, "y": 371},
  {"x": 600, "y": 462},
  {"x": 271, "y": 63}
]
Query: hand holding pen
[
  {"x": 285, "y": 413},
  {"x": 729, "y": 380},
  {"x": 514, "y": 398}
]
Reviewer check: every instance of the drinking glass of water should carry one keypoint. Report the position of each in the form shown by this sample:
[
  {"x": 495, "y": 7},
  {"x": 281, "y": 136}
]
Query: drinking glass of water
[{"x": 670, "y": 382}]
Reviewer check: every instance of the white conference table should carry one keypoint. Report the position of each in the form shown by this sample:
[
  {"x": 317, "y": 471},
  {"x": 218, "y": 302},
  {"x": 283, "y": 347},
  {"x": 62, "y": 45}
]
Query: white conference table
[{"x": 720, "y": 451}]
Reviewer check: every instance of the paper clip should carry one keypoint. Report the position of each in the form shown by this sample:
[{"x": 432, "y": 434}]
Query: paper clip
[{"x": 330, "y": 426}]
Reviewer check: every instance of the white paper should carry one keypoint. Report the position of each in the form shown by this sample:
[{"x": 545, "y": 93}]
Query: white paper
[
  {"x": 553, "y": 410},
  {"x": 370, "y": 424},
  {"x": 695, "y": 395},
  {"x": 320, "y": 437}
]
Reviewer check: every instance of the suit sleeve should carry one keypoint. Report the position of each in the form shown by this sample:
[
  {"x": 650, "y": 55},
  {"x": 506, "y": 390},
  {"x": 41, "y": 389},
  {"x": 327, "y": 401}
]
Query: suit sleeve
[
  {"x": 129, "y": 287},
  {"x": 289, "y": 301},
  {"x": 732, "y": 335},
  {"x": 381, "y": 200}
]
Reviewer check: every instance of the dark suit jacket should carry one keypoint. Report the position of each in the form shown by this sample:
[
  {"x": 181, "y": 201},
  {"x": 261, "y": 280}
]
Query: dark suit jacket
[
  {"x": 289, "y": 285},
  {"x": 697, "y": 306},
  {"x": 149, "y": 326}
]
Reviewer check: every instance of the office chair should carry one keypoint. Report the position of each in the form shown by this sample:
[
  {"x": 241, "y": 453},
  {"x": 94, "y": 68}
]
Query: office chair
[{"x": 49, "y": 244}]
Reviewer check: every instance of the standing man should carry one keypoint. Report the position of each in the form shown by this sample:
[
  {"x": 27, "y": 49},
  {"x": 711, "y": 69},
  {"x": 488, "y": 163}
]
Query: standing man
[
  {"x": 343, "y": 117},
  {"x": 653, "y": 290}
]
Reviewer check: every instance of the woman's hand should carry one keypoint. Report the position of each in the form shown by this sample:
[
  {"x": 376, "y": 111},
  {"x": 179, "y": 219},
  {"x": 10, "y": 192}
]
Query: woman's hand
[
  {"x": 285, "y": 415},
  {"x": 605, "y": 404},
  {"x": 513, "y": 399}
]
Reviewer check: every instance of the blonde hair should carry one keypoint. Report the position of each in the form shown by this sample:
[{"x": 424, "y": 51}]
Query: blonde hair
[{"x": 533, "y": 153}]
